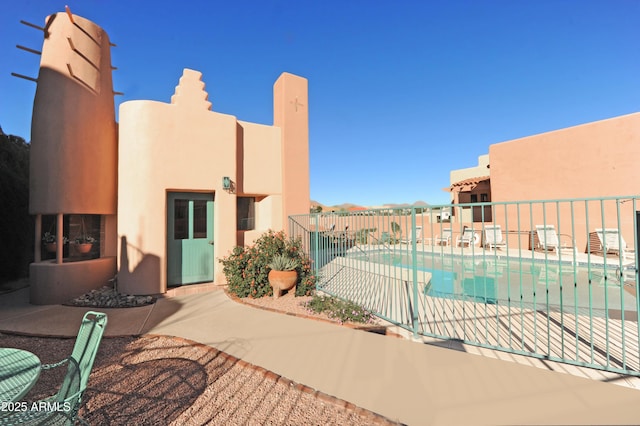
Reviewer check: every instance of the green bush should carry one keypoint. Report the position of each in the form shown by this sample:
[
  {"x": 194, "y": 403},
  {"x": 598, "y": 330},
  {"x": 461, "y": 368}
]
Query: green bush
[
  {"x": 341, "y": 310},
  {"x": 247, "y": 268}
]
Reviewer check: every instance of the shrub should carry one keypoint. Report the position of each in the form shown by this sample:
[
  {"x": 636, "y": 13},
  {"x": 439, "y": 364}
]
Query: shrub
[
  {"x": 17, "y": 228},
  {"x": 247, "y": 268},
  {"x": 341, "y": 310}
]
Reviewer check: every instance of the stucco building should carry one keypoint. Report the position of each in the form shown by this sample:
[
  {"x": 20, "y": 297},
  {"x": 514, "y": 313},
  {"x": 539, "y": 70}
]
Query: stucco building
[
  {"x": 160, "y": 196},
  {"x": 591, "y": 160}
]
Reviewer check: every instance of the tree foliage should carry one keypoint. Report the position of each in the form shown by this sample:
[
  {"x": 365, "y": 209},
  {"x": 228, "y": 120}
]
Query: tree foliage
[{"x": 16, "y": 225}]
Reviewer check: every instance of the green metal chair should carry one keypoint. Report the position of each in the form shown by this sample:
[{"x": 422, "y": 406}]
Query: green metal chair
[{"x": 62, "y": 408}]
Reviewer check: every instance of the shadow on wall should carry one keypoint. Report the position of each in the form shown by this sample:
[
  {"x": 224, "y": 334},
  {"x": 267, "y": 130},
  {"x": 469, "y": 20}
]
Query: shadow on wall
[{"x": 145, "y": 278}]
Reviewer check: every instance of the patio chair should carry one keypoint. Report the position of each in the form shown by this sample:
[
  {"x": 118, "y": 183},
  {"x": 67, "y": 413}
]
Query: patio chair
[
  {"x": 493, "y": 237},
  {"x": 385, "y": 238},
  {"x": 547, "y": 238},
  {"x": 444, "y": 238},
  {"x": 69, "y": 397},
  {"x": 410, "y": 239},
  {"x": 468, "y": 238},
  {"x": 611, "y": 241}
]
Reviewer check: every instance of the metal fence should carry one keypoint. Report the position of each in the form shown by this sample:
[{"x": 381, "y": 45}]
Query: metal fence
[{"x": 554, "y": 279}]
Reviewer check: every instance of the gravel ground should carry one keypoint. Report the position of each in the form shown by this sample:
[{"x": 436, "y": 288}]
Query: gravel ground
[{"x": 159, "y": 380}]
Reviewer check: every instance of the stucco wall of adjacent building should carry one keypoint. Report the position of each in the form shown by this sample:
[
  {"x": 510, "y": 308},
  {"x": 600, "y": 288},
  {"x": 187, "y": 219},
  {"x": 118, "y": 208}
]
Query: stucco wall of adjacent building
[
  {"x": 597, "y": 159},
  {"x": 591, "y": 160}
]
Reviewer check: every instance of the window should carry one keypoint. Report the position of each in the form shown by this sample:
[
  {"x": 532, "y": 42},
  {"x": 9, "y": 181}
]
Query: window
[
  {"x": 474, "y": 198},
  {"x": 181, "y": 220},
  {"x": 484, "y": 198},
  {"x": 82, "y": 236},
  {"x": 246, "y": 213},
  {"x": 199, "y": 218}
]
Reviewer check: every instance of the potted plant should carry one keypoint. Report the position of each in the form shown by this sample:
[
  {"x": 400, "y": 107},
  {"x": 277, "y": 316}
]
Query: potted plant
[
  {"x": 283, "y": 275},
  {"x": 84, "y": 243},
  {"x": 50, "y": 243}
]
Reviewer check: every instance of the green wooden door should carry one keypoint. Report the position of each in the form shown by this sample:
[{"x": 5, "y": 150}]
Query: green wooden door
[{"x": 189, "y": 238}]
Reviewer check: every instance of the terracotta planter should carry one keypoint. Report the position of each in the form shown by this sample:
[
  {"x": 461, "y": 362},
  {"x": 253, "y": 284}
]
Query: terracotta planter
[
  {"x": 51, "y": 247},
  {"x": 84, "y": 248},
  {"x": 282, "y": 280}
]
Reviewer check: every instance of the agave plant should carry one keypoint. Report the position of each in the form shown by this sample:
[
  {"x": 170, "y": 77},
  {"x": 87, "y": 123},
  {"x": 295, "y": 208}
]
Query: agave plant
[{"x": 282, "y": 262}]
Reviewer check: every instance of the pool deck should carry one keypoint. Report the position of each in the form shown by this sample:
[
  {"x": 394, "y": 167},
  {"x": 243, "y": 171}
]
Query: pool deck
[
  {"x": 607, "y": 338},
  {"x": 405, "y": 381}
]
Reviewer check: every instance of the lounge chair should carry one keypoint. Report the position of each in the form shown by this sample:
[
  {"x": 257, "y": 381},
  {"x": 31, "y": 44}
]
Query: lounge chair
[
  {"x": 468, "y": 238},
  {"x": 493, "y": 237},
  {"x": 444, "y": 239},
  {"x": 385, "y": 238},
  {"x": 410, "y": 239},
  {"x": 69, "y": 397},
  {"x": 611, "y": 241},
  {"x": 547, "y": 238}
]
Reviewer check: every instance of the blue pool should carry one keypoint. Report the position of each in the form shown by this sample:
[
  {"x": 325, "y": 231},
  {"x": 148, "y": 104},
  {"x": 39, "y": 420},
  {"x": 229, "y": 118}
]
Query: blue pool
[{"x": 520, "y": 283}]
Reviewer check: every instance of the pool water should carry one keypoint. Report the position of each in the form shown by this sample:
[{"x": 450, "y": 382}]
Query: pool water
[{"x": 521, "y": 283}]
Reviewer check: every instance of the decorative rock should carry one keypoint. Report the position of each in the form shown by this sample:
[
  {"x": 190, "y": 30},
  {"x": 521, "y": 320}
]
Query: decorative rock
[{"x": 107, "y": 297}]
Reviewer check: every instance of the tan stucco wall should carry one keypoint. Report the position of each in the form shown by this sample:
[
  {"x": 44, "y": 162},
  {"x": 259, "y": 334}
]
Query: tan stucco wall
[
  {"x": 73, "y": 132},
  {"x": 291, "y": 114},
  {"x": 82, "y": 162},
  {"x": 53, "y": 283},
  {"x": 73, "y": 164},
  {"x": 186, "y": 147},
  {"x": 592, "y": 160},
  {"x": 260, "y": 171},
  {"x": 598, "y": 159},
  {"x": 178, "y": 147}
]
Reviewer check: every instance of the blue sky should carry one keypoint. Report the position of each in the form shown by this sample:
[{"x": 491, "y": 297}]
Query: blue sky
[{"x": 401, "y": 92}]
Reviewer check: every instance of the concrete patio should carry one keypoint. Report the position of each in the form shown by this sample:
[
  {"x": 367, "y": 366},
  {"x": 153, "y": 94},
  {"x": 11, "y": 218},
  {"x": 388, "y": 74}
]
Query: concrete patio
[{"x": 405, "y": 381}]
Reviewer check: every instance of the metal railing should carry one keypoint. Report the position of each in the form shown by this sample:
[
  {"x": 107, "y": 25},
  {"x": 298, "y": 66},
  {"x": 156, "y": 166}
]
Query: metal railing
[{"x": 554, "y": 279}]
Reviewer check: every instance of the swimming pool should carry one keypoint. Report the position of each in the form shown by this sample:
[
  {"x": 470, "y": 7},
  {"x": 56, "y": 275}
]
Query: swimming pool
[{"x": 521, "y": 283}]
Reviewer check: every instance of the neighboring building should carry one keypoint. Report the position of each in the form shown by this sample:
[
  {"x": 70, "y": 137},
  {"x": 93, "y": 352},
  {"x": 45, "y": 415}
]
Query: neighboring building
[
  {"x": 598, "y": 159},
  {"x": 165, "y": 192},
  {"x": 472, "y": 185}
]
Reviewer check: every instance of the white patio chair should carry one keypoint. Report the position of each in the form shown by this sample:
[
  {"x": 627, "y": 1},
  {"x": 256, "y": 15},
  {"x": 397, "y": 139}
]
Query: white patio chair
[
  {"x": 493, "y": 237},
  {"x": 410, "y": 239},
  {"x": 547, "y": 238},
  {"x": 468, "y": 238},
  {"x": 444, "y": 238},
  {"x": 611, "y": 241}
]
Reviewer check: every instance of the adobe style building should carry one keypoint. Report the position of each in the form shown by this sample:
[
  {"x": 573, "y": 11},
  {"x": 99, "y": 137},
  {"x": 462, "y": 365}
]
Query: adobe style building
[
  {"x": 160, "y": 196},
  {"x": 597, "y": 159}
]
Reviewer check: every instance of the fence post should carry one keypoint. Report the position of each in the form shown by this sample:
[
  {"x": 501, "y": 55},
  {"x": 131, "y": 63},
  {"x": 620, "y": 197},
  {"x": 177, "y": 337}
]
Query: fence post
[
  {"x": 316, "y": 234},
  {"x": 414, "y": 270}
]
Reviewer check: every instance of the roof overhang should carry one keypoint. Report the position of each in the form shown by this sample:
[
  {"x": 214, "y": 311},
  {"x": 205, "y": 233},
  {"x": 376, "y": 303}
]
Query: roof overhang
[{"x": 467, "y": 184}]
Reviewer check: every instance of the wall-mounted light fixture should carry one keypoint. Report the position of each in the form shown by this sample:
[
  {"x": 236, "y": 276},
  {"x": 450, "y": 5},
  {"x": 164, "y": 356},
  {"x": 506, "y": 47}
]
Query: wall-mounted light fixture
[{"x": 226, "y": 184}]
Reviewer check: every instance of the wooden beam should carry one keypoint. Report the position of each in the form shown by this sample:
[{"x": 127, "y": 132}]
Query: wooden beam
[
  {"x": 29, "y": 24},
  {"x": 24, "y": 76},
  {"x": 69, "y": 14},
  {"x": 37, "y": 52}
]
